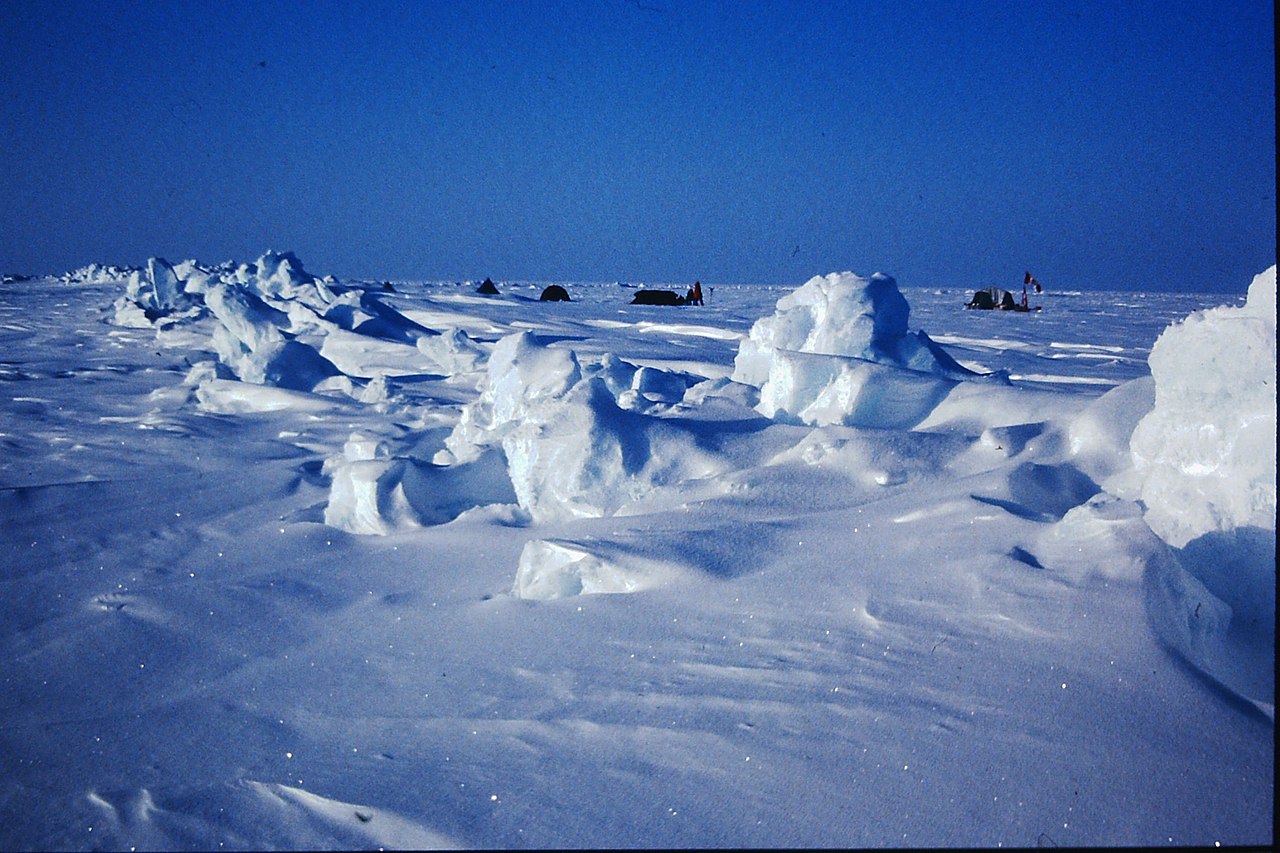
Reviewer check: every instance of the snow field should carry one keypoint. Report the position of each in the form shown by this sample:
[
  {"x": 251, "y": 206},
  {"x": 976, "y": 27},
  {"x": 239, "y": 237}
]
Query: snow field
[{"x": 292, "y": 562}]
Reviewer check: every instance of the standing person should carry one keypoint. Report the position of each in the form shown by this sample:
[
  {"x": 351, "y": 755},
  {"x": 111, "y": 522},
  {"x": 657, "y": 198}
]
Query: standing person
[{"x": 697, "y": 293}]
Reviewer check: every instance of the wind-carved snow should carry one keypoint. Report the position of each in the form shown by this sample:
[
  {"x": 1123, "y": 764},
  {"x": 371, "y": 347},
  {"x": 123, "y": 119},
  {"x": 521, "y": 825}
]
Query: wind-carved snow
[
  {"x": 572, "y": 449},
  {"x": 355, "y": 541},
  {"x": 277, "y": 325},
  {"x": 575, "y": 442},
  {"x": 837, "y": 351},
  {"x": 373, "y": 491},
  {"x": 1204, "y": 468},
  {"x": 1205, "y": 456},
  {"x": 550, "y": 569}
]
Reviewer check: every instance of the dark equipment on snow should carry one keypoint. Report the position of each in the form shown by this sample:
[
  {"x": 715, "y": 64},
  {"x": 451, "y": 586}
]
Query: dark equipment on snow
[
  {"x": 998, "y": 299},
  {"x": 487, "y": 288},
  {"x": 992, "y": 298},
  {"x": 554, "y": 293},
  {"x": 657, "y": 297}
]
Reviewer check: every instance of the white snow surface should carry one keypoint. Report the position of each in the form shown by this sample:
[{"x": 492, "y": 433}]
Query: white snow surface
[
  {"x": 1206, "y": 453},
  {"x": 838, "y": 351},
  {"x": 296, "y": 563}
]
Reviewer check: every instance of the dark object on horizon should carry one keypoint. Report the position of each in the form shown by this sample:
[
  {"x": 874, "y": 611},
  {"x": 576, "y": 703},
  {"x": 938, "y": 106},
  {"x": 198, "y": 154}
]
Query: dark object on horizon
[
  {"x": 487, "y": 288},
  {"x": 554, "y": 293},
  {"x": 657, "y": 297},
  {"x": 992, "y": 298},
  {"x": 997, "y": 299},
  {"x": 388, "y": 287}
]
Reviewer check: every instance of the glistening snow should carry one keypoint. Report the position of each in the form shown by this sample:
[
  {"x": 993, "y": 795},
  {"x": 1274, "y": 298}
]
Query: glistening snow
[{"x": 291, "y": 562}]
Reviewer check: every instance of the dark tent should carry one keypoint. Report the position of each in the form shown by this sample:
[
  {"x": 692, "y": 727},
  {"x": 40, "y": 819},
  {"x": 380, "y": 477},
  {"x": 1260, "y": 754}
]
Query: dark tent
[
  {"x": 554, "y": 293},
  {"x": 487, "y": 288},
  {"x": 992, "y": 297},
  {"x": 657, "y": 297}
]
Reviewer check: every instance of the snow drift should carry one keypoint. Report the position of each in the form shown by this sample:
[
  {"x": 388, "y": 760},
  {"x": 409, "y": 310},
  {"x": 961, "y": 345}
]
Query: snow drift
[
  {"x": 275, "y": 324},
  {"x": 294, "y": 562},
  {"x": 838, "y": 351},
  {"x": 1205, "y": 455},
  {"x": 571, "y": 449},
  {"x": 1204, "y": 468}
]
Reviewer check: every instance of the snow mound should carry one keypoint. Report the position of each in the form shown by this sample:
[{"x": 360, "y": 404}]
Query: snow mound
[
  {"x": 585, "y": 456},
  {"x": 1204, "y": 467},
  {"x": 280, "y": 275},
  {"x": 372, "y": 357},
  {"x": 826, "y": 389},
  {"x": 98, "y": 274},
  {"x": 366, "y": 337},
  {"x": 373, "y": 492},
  {"x": 572, "y": 450},
  {"x": 641, "y": 388},
  {"x": 1099, "y": 436},
  {"x": 843, "y": 314},
  {"x": 551, "y": 569},
  {"x": 251, "y": 343},
  {"x": 249, "y": 814},
  {"x": 1205, "y": 455},
  {"x": 363, "y": 313},
  {"x": 837, "y": 351},
  {"x": 1214, "y": 604},
  {"x": 155, "y": 296},
  {"x": 1102, "y": 540},
  {"x": 521, "y": 376},
  {"x": 452, "y": 351},
  {"x": 276, "y": 324}
]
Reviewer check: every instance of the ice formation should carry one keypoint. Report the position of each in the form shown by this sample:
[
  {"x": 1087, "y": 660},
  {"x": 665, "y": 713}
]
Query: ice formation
[
  {"x": 154, "y": 296},
  {"x": 521, "y": 375},
  {"x": 572, "y": 449},
  {"x": 550, "y": 569},
  {"x": 837, "y": 351},
  {"x": 276, "y": 324},
  {"x": 1204, "y": 469},
  {"x": 784, "y": 579},
  {"x": 1206, "y": 453},
  {"x": 97, "y": 274},
  {"x": 1188, "y": 452},
  {"x": 559, "y": 439},
  {"x": 375, "y": 491}
]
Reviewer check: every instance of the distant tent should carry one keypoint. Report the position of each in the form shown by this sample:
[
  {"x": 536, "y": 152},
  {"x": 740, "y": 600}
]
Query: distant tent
[
  {"x": 992, "y": 297},
  {"x": 657, "y": 297},
  {"x": 554, "y": 293},
  {"x": 487, "y": 288}
]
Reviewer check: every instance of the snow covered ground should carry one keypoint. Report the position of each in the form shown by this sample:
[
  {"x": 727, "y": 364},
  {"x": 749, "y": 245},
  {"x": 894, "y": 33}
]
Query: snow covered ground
[{"x": 291, "y": 562}]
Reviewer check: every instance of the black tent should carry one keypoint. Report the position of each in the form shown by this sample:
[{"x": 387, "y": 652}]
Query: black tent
[
  {"x": 992, "y": 297},
  {"x": 488, "y": 288},
  {"x": 554, "y": 293}
]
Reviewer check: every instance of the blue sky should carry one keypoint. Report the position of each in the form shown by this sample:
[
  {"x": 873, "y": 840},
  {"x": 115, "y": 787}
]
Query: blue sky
[{"x": 1112, "y": 145}]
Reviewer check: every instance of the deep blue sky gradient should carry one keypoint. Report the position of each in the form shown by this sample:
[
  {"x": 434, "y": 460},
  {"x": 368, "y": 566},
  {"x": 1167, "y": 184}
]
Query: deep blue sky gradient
[{"x": 1105, "y": 144}]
